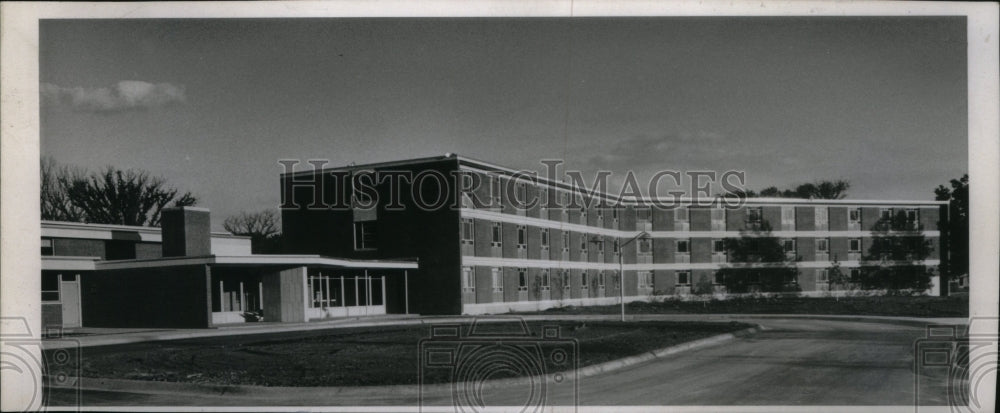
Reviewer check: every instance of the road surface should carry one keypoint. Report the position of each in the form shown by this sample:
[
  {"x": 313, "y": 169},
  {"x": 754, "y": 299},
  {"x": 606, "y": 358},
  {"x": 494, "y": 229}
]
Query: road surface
[{"x": 792, "y": 362}]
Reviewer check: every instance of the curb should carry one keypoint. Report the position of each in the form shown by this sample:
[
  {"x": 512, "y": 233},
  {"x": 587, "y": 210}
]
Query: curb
[
  {"x": 249, "y": 391},
  {"x": 613, "y": 365}
]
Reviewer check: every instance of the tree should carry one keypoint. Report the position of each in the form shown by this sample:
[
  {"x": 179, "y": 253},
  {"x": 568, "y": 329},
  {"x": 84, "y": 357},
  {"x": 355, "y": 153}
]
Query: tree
[
  {"x": 956, "y": 231},
  {"x": 262, "y": 227},
  {"x": 836, "y": 276},
  {"x": 894, "y": 262},
  {"x": 112, "y": 196},
  {"x": 761, "y": 264},
  {"x": 55, "y": 203},
  {"x": 818, "y": 190},
  {"x": 124, "y": 197}
]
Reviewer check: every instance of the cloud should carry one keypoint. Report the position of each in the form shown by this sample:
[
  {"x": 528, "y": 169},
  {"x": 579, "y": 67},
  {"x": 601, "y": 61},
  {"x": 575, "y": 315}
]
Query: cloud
[{"x": 127, "y": 95}]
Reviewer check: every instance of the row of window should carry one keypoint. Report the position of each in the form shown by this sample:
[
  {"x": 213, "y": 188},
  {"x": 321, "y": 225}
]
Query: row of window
[
  {"x": 754, "y": 215},
  {"x": 645, "y": 279},
  {"x": 545, "y": 280},
  {"x": 682, "y": 246}
]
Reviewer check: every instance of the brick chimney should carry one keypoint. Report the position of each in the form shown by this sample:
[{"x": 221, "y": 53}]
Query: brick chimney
[{"x": 186, "y": 232}]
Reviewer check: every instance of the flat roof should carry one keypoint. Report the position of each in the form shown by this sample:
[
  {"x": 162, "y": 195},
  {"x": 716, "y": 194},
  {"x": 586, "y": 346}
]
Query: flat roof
[
  {"x": 491, "y": 167},
  {"x": 68, "y": 263},
  {"x": 245, "y": 260},
  {"x": 107, "y": 231}
]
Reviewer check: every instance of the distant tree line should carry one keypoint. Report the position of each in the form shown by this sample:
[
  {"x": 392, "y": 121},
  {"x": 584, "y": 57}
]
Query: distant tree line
[{"x": 816, "y": 190}]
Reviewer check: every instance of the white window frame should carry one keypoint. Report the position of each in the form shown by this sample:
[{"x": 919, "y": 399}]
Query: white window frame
[
  {"x": 852, "y": 211},
  {"x": 470, "y": 224},
  {"x": 687, "y": 275},
  {"x": 496, "y": 235},
  {"x": 522, "y": 237},
  {"x": 716, "y": 243},
  {"x": 546, "y": 279},
  {"x": 565, "y": 238},
  {"x": 496, "y": 190},
  {"x": 584, "y": 281},
  {"x": 784, "y": 246},
  {"x": 821, "y": 218},
  {"x": 826, "y": 245},
  {"x": 544, "y": 238},
  {"x": 850, "y": 244},
  {"x": 687, "y": 246},
  {"x": 496, "y": 277},
  {"x": 468, "y": 279},
  {"x": 822, "y": 275},
  {"x": 788, "y": 218},
  {"x": 645, "y": 279}
]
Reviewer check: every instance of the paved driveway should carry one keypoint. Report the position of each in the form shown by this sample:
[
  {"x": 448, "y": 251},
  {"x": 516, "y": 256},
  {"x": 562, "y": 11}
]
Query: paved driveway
[{"x": 795, "y": 361}]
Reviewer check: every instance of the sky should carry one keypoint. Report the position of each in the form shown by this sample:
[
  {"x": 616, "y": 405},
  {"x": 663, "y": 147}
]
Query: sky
[{"x": 212, "y": 105}]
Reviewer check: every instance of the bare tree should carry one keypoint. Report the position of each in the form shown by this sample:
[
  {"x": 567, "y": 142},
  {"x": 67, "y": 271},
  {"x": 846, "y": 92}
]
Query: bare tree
[
  {"x": 262, "y": 227},
  {"x": 123, "y": 197},
  {"x": 55, "y": 202}
]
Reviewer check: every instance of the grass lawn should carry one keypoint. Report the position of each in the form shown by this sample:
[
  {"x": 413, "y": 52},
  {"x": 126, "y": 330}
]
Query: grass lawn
[
  {"x": 353, "y": 357},
  {"x": 919, "y": 306}
]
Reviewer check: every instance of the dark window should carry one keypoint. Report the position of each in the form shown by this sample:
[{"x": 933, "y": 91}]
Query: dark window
[
  {"x": 855, "y": 215},
  {"x": 50, "y": 286},
  {"x": 719, "y": 278},
  {"x": 497, "y": 235},
  {"x": 682, "y": 246},
  {"x": 754, "y": 215},
  {"x": 718, "y": 246},
  {"x": 683, "y": 278},
  {"x": 522, "y": 280},
  {"x": 854, "y": 245},
  {"x": 545, "y": 237},
  {"x": 120, "y": 250},
  {"x": 522, "y": 236},
  {"x": 789, "y": 245},
  {"x": 47, "y": 247},
  {"x": 365, "y": 235}
]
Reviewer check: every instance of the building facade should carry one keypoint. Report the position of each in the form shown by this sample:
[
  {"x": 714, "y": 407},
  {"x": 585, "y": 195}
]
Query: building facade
[
  {"x": 184, "y": 276},
  {"x": 484, "y": 247}
]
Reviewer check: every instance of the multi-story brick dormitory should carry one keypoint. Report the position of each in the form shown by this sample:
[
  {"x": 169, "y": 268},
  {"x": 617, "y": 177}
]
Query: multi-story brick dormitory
[{"x": 478, "y": 253}]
